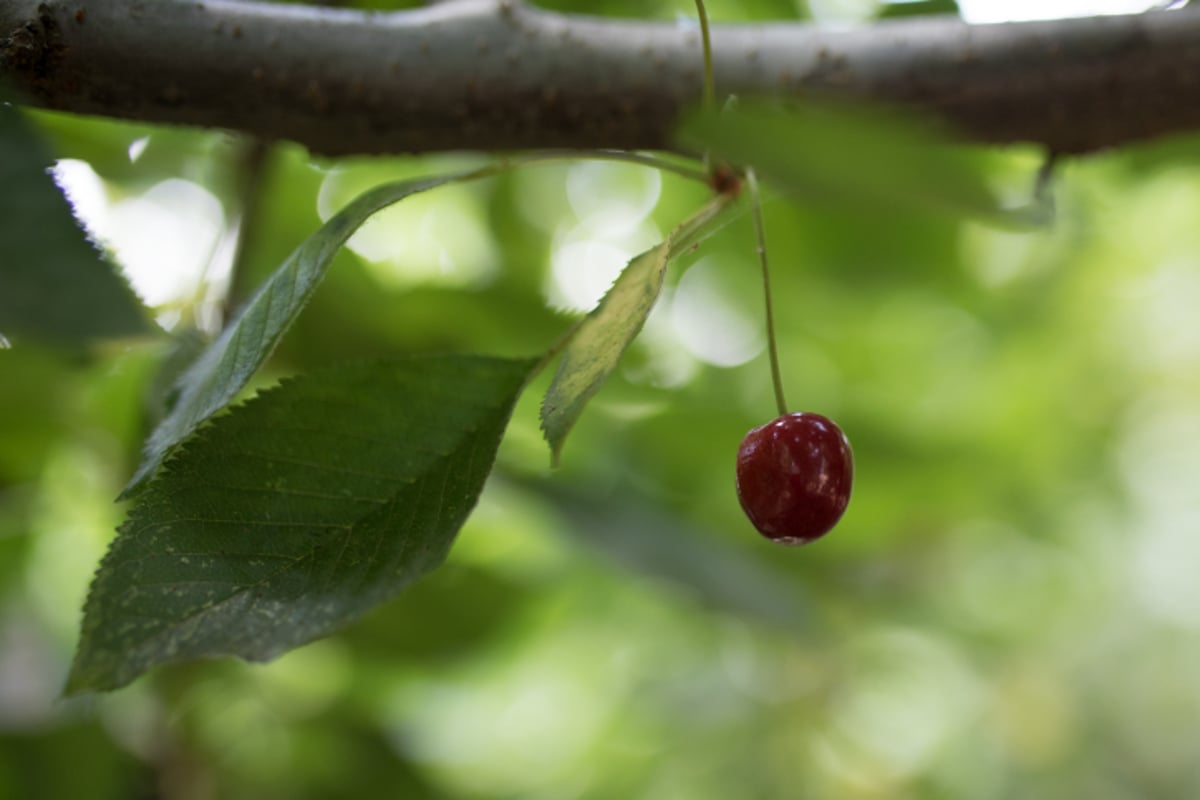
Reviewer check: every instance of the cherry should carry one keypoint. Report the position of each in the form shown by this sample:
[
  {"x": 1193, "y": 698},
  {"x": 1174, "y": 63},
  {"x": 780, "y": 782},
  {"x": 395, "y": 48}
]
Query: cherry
[{"x": 794, "y": 476}]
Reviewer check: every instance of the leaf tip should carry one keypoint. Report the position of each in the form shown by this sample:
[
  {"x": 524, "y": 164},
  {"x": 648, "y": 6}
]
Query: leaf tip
[
  {"x": 552, "y": 429},
  {"x": 138, "y": 482},
  {"x": 75, "y": 687},
  {"x": 85, "y": 678}
]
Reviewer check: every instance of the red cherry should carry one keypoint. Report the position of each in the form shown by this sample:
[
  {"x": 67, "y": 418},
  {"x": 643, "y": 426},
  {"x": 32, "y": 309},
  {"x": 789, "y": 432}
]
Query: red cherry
[{"x": 794, "y": 476}]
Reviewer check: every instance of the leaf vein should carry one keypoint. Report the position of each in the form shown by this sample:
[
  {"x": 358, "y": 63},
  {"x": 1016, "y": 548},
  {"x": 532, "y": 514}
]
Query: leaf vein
[
  {"x": 271, "y": 490},
  {"x": 317, "y": 466}
]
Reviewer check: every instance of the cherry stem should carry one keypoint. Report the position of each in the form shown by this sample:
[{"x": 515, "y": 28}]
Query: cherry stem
[
  {"x": 710, "y": 90},
  {"x": 760, "y": 237}
]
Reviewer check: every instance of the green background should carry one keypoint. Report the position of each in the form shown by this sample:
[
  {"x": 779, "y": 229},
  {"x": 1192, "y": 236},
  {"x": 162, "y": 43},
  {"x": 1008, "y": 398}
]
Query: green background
[{"x": 1008, "y": 609}]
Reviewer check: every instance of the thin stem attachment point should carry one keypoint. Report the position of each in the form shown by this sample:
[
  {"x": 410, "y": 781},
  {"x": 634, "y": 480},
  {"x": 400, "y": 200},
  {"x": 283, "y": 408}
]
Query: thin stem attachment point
[{"x": 760, "y": 237}]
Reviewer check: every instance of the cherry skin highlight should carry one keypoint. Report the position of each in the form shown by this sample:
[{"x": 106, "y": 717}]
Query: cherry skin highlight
[{"x": 794, "y": 476}]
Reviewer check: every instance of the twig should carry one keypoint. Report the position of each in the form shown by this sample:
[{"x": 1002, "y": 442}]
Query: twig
[{"x": 502, "y": 75}]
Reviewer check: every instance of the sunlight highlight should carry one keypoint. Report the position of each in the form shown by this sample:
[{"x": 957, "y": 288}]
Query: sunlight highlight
[
  {"x": 707, "y": 324},
  {"x": 170, "y": 240},
  {"x": 438, "y": 238}
]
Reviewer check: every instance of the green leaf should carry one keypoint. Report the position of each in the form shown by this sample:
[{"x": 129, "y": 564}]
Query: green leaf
[
  {"x": 54, "y": 285},
  {"x": 223, "y": 369},
  {"x": 597, "y": 343},
  {"x": 296, "y": 512},
  {"x": 850, "y": 157}
]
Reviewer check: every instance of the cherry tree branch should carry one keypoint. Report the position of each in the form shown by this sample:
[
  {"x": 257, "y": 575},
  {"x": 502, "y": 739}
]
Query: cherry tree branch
[{"x": 503, "y": 75}]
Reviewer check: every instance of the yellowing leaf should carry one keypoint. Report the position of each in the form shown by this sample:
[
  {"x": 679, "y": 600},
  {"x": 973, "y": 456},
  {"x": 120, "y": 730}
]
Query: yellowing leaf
[{"x": 603, "y": 335}]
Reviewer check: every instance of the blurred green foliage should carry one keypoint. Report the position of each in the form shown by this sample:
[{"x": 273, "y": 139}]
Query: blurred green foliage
[{"x": 1009, "y": 608}]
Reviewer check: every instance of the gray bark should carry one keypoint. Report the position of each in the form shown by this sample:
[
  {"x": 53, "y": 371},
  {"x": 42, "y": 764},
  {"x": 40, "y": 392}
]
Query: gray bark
[{"x": 501, "y": 75}]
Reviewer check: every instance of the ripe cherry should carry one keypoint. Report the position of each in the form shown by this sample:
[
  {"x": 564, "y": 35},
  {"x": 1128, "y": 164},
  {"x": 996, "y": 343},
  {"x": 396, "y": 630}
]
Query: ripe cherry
[{"x": 794, "y": 476}]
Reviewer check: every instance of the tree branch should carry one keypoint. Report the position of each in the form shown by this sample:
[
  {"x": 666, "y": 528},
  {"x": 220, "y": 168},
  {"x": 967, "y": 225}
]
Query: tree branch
[{"x": 501, "y": 75}]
